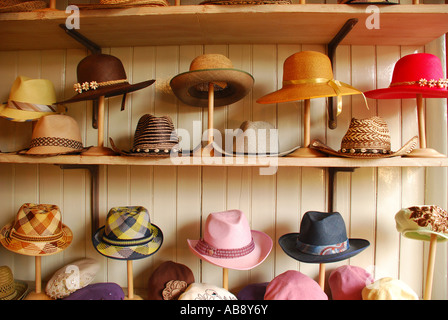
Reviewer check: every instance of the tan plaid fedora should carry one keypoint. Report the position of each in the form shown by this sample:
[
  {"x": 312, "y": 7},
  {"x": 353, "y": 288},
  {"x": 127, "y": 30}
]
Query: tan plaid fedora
[{"x": 36, "y": 231}]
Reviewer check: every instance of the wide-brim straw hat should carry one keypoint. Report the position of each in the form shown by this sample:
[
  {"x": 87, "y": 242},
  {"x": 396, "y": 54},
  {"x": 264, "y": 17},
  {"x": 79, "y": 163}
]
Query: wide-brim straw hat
[
  {"x": 128, "y": 234},
  {"x": 308, "y": 75},
  {"x": 245, "y": 2},
  {"x": 120, "y": 4},
  {"x": 154, "y": 137},
  {"x": 366, "y": 138},
  {"x": 29, "y": 99},
  {"x": 36, "y": 231},
  {"x": 10, "y": 288},
  {"x": 53, "y": 135},
  {"x": 230, "y": 84},
  {"x": 228, "y": 242},
  {"x": 418, "y": 73},
  {"x": 20, "y": 5}
]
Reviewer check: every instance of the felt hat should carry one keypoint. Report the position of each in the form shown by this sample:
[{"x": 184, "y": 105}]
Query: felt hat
[
  {"x": 128, "y": 234},
  {"x": 37, "y": 230},
  {"x": 10, "y": 288},
  {"x": 308, "y": 75},
  {"x": 417, "y": 73},
  {"x": 169, "y": 280},
  {"x": 366, "y": 138},
  {"x": 229, "y": 242},
  {"x": 230, "y": 84},
  {"x": 346, "y": 282},
  {"x": 72, "y": 277},
  {"x": 420, "y": 222},
  {"x": 98, "y": 291},
  {"x": 154, "y": 136},
  {"x": 255, "y": 138},
  {"x": 29, "y": 99},
  {"x": 294, "y": 285},
  {"x": 54, "y": 135},
  {"x": 388, "y": 288},
  {"x": 322, "y": 239},
  {"x": 253, "y": 291},
  {"x": 103, "y": 75},
  {"x": 205, "y": 291},
  {"x": 21, "y": 5}
]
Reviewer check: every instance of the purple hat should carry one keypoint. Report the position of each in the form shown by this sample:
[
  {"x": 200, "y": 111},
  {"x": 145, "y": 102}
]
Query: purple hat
[
  {"x": 253, "y": 291},
  {"x": 98, "y": 291}
]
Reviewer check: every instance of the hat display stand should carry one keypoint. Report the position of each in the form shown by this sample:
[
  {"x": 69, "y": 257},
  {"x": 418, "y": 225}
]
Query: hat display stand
[
  {"x": 130, "y": 273},
  {"x": 430, "y": 267},
  {"x": 37, "y": 294},
  {"x": 208, "y": 151}
]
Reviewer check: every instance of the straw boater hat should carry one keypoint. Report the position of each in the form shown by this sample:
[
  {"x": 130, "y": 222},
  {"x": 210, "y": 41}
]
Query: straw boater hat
[
  {"x": 128, "y": 234},
  {"x": 29, "y": 99},
  {"x": 228, "y": 242},
  {"x": 230, "y": 84},
  {"x": 103, "y": 75},
  {"x": 366, "y": 138},
  {"x": 21, "y": 5},
  {"x": 154, "y": 136},
  {"x": 10, "y": 288},
  {"x": 418, "y": 73},
  {"x": 117, "y": 4},
  {"x": 36, "y": 231},
  {"x": 54, "y": 135}
]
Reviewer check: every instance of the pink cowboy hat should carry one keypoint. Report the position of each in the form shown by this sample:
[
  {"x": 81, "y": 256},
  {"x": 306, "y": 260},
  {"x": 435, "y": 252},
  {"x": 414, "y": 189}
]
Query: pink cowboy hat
[
  {"x": 229, "y": 243},
  {"x": 418, "y": 73}
]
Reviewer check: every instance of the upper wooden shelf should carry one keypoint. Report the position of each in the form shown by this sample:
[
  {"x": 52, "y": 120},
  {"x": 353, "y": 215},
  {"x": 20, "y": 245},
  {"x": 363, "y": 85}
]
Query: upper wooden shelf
[{"x": 211, "y": 24}]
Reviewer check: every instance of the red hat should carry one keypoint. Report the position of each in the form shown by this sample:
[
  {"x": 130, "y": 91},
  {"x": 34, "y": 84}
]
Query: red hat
[{"x": 418, "y": 73}]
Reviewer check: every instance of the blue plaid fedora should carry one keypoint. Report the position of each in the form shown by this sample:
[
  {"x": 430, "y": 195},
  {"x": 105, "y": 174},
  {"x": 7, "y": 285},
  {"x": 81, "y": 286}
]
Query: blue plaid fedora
[
  {"x": 128, "y": 234},
  {"x": 322, "y": 239}
]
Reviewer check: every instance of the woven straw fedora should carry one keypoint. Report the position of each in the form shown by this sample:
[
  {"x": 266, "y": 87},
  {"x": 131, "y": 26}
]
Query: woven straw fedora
[
  {"x": 128, "y": 234},
  {"x": 119, "y": 4},
  {"x": 36, "y": 231},
  {"x": 366, "y": 138},
  {"x": 230, "y": 84},
  {"x": 29, "y": 99},
  {"x": 418, "y": 73},
  {"x": 20, "y": 5},
  {"x": 228, "y": 242},
  {"x": 10, "y": 288},
  {"x": 154, "y": 137},
  {"x": 103, "y": 75},
  {"x": 54, "y": 135}
]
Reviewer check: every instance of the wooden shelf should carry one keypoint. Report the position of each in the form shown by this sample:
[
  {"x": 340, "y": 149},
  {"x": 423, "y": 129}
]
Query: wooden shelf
[
  {"x": 226, "y": 161},
  {"x": 200, "y": 24}
]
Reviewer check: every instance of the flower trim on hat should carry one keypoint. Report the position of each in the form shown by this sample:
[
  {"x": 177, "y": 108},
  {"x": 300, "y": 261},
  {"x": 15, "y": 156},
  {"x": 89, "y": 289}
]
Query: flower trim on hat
[
  {"x": 434, "y": 216},
  {"x": 93, "y": 85},
  {"x": 441, "y": 83}
]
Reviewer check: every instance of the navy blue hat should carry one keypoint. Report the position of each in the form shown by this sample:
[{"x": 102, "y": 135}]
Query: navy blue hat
[{"x": 322, "y": 239}]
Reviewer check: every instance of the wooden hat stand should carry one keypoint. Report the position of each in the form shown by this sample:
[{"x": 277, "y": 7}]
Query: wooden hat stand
[
  {"x": 131, "y": 295},
  {"x": 37, "y": 294}
]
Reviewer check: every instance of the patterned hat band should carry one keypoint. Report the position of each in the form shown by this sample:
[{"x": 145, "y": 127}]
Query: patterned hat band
[
  {"x": 441, "y": 83},
  {"x": 25, "y": 106},
  {"x": 93, "y": 85},
  {"x": 322, "y": 250},
  {"x": 204, "y": 248},
  {"x": 17, "y": 236},
  {"x": 128, "y": 243},
  {"x": 55, "y": 142}
]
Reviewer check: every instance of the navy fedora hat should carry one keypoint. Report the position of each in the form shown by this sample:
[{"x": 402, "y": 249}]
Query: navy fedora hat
[{"x": 322, "y": 239}]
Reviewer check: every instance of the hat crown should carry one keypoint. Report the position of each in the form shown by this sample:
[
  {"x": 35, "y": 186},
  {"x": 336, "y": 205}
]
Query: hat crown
[
  {"x": 227, "y": 230},
  {"x": 57, "y": 125},
  {"x": 100, "y": 68},
  {"x": 414, "y": 67},
  {"x": 322, "y": 228},
  {"x": 210, "y": 61},
  {"x": 307, "y": 65},
  {"x": 35, "y": 91},
  {"x": 127, "y": 223},
  {"x": 38, "y": 220},
  {"x": 7, "y": 287},
  {"x": 154, "y": 132},
  {"x": 250, "y": 140}
]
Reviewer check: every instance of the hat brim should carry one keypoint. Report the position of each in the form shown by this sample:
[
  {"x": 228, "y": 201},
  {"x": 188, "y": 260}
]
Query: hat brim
[
  {"x": 290, "y": 93},
  {"x": 20, "y": 290},
  {"x": 406, "y": 92},
  {"x": 128, "y": 4},
  {"x": 109, "y": 91},
  {"x": 243, "y": 154},
  {"x": 21, "y": 115},
  {"x": 25, "y": 6},
  {"x": 40, "y": 248},
  {"x": 242, "y": 2},
  {"x": 239, "y": 83},
  {"x": 404, "y": 150},
  {"x": 49, "y": 151},
  {"x": 424, "y": 235},
  {"x": 288, "y": 243},
  {"x": 128, "y": 252},
  {"x": 263, "y": 246},
  {"x": 149, "y": 153}
]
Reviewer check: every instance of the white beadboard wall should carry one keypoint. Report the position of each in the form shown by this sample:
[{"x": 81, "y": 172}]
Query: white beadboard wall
[{"x": 180, "y": 198}]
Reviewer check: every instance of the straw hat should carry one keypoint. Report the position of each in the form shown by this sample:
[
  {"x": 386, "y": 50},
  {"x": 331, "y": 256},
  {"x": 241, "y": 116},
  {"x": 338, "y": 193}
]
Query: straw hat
[
  {"x": 11, "y": 289},
  {"x": 230, "y": 84},
  {"x": 308, "y": 75},
  {"x": 21, "y": 5},
  {"x": 228, "y": 242},
  {"x": 128, "y": 234},
  {"x": 117, "y": 4},
  {"x": 419, "y": 222},
  {"x": 245, "y": 2},
  {"x": 154, "y": 136},
  {"x": 29, "y": 99},
  {"x": 36, "y": 231},
  {"x": 366, "y": 138},
  {"x": 54, "y": 135},
  {"x": 418, "y": 73}
]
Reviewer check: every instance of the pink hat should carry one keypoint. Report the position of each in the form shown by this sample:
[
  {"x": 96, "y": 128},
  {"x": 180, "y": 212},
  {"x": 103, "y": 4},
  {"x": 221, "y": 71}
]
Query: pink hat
[
  {"x": 294, "y": 285},
  {"x": 347, "y": 282},
  {"x": 228, "y": 242}
]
